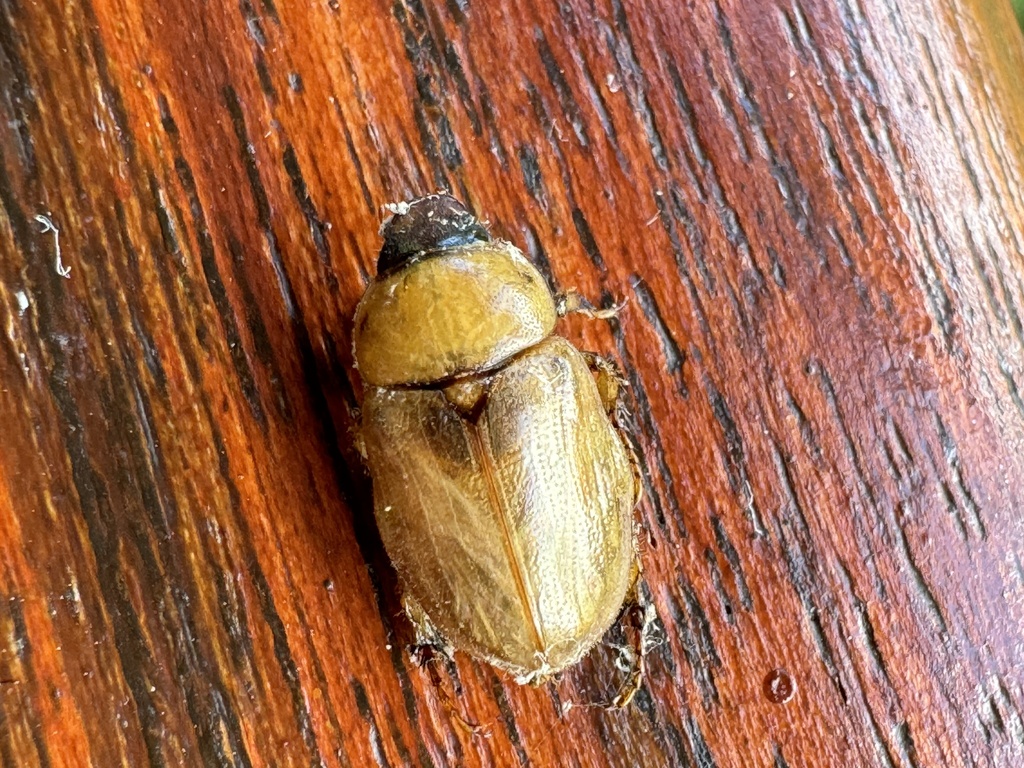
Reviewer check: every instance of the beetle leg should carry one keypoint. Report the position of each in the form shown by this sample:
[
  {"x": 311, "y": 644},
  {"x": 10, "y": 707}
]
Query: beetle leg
[
  {"x": 610, "y": 382},
  {"x": 429, "y": 657},
  {"x": 643, "y": 619},
  {"x": 428, "y": 653},
  {"x": 574, "y": 302},
  {"x": 359, "y": 442},
  {"x": 610, "y": 385}
]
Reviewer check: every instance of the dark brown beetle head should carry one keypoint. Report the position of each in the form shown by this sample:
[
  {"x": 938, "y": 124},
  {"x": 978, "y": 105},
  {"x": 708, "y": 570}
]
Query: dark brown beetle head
[{"x": 424, "y": 228}]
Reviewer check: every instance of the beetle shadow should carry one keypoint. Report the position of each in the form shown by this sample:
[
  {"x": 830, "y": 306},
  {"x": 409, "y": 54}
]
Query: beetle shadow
[{"x": 337, "y": 386}]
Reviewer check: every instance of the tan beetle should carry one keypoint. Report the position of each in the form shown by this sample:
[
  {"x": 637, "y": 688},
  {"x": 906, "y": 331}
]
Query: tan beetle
[{"x": 503, "y": 490}]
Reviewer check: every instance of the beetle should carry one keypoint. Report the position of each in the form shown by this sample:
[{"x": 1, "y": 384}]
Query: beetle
[{"x": 503, "y": 488}]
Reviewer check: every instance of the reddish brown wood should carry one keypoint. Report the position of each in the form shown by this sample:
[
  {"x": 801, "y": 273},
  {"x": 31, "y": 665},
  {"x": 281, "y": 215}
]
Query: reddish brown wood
[{"x": 814, "y": 210}]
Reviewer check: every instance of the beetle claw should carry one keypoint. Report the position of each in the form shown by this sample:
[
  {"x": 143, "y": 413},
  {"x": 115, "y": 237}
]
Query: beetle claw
[
  {"x": 573, "y": 302},
  {"x": 643, "y": 620}
]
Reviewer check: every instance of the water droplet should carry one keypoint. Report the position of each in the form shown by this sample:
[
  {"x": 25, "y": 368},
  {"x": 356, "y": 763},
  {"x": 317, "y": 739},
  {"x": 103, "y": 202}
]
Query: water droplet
[{"x": 779, "y": 686}]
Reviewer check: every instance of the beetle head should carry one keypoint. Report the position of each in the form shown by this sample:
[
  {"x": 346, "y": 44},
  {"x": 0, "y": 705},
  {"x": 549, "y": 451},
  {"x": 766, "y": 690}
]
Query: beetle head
[{"x": 426, "y": 227}]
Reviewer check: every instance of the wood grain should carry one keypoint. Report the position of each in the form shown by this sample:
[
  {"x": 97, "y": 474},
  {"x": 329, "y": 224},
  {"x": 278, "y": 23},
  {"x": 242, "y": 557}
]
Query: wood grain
[{"x": 814, "y": 209}]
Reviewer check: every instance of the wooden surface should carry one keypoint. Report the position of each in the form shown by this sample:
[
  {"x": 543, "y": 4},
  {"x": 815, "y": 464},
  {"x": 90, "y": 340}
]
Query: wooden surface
[{"x": 814, "y": 209}]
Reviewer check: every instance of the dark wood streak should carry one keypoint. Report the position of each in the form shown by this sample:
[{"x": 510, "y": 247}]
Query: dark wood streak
[
  {"x": 725, "y": 546},
  {"x": 674, "y": 356},
  {"x": 28, "y": 684},
  {"x": 425, "y": 57},
  {"x": 619, "y": 39},
  {"x": 509, "y": 721},
  {"x": 488, "y": 112},
  {"x": 565, "y": 97},
  {"x": 699, "y": 749},
  {"x": 586, "y": 236},
  {"x": 698, "y": 646},
  {"x": 735, "y": 459},
  {"x": 648, "y": 429},
  {"x": 363, "y": 703},
  {"x": 316, "y": 226},
  {"x": 218, "y": 292}
]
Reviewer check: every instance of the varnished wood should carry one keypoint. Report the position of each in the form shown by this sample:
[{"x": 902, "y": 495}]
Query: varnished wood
[{"x": 814, "y": 210}]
